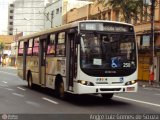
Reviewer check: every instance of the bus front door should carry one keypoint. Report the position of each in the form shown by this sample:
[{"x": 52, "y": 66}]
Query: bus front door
[
  {"x": 71, "y": 61},
  {"x": 42, "y": 59}
]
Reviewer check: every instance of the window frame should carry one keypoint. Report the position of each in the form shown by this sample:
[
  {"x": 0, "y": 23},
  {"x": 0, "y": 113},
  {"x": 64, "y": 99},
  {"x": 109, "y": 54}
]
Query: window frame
[
  {"x": 49, "y": 44},
  {"x": 35, "y": 46},
  {"x": 30, "y": 47},
  {"x": 20, "y": 48},
  {"x": 61, "y": 44},
  {"x": 57, "y": 11}
]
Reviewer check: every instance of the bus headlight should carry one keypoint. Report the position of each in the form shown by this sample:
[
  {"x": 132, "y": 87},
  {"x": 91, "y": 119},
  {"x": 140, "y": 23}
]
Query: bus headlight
[
  {"x": 83, "y": 82},
  {"x": 130, "y": 82}
]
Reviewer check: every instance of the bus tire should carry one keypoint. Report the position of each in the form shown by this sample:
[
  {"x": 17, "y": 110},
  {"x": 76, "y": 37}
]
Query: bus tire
[
  {"x": 30, "y": 82},
  {"x": 59, "y": 87},
  {"x": 107, "y": 95}
]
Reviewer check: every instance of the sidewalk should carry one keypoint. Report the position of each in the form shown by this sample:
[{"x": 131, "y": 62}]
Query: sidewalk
[
  {"x": 144, "y": 83},
  {"x": 9, "y": 67}
]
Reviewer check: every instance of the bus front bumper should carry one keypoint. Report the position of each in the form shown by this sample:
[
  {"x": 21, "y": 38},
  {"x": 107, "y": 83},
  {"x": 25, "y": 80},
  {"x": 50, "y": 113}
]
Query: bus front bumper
[{"x": 83, "y": 89}]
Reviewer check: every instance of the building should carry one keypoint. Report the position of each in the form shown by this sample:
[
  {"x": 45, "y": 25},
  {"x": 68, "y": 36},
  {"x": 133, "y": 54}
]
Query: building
[
  {"x": 14, "y": 52},
  {"x": 142, "y": 28},
  {"x": 92, "y": 11},
  {"x": 6, "y": 51},
  {"x": 14, "y": 48},
  {"x": 56, "y": 12},
  {"x": 146, "y": 45},
  {"x": 10, "y": 19},
  {"x": 28, "y": 17},
  {"x": 53, "y": 14}
]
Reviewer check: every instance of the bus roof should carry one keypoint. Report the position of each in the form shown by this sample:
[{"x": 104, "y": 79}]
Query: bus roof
[
  {"x": 51, "y": 30},
  {"x": 108, "y": 21},
  {"x": 66, "y": 26}
]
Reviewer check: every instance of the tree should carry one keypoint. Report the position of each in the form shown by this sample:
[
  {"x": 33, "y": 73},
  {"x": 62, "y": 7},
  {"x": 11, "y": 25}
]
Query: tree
[
  {"x": 130, "y": 9},
  {"x": 2, "y": 45}
]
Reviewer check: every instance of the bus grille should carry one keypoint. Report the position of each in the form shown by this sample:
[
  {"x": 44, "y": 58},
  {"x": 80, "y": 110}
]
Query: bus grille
[
  {"x": 101, "y": 82},
  {"x": 110, "y": 89},
  {"x": 117, "y": 82}
]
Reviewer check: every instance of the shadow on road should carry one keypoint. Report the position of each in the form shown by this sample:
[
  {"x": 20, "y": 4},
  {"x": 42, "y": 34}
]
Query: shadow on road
[
  {"x": 81, "y": 100},
  {"x": 93, "y": 100}
]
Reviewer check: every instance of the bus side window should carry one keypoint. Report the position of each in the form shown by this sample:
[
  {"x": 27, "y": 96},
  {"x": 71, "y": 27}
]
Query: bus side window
[
  {"x": 61, "y": 44},
  {"x": 21, "y": 48},
  {"x": 51, "y": 45},
  {"x": 36, "y": 46},
  {"x": 29, "y": 49}
]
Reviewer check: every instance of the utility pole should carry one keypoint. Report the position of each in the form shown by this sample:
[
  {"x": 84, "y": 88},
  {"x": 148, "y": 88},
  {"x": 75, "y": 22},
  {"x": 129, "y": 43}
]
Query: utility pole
[
  {"x": 48, "y": 18},
  {"x": 152, "y": 35},
  {"x": 52, "y": 19}
]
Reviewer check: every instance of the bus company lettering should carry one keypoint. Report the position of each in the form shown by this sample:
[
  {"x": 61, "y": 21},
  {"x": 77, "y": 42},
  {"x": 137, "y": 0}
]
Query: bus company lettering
[{"x": 115, "y": 28}]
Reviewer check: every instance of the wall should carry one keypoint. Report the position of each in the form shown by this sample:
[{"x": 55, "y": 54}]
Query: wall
[
  {"x": 28, "y": 16},
  {"x": 7, "y": 40},
  {"x": 56, "y": 18},
  {"x": 77, "y": 14}
]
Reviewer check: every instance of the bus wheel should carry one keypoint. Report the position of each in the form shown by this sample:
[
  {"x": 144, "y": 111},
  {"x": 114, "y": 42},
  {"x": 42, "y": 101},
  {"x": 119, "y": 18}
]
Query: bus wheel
[
  {"x": 59, "y": 89},
  {"x": 107, "y": 95},
  {"x": 30, "y": 84}
]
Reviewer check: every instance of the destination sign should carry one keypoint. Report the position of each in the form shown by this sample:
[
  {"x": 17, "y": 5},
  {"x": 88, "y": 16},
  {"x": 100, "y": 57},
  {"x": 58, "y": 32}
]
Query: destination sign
[
  {"x": 109, "y": 27},
  {"x": 114, "y": 28}
]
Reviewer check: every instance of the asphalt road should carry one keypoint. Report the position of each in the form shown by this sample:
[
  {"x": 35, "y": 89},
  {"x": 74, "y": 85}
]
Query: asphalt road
[{"x": 16, "y": 98}]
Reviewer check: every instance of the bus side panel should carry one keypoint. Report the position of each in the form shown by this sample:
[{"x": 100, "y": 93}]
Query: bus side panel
[
  {"x": 50, "y": 72},
  {"x": 20, "y": 66},
  {"x": 33, "y": 67},
  {"x": 55, "y": 66}
]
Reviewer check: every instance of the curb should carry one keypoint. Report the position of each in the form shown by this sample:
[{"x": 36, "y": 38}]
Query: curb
[
  {"x": 9, "y": 67},
  {"x": 146, "y": 84}
]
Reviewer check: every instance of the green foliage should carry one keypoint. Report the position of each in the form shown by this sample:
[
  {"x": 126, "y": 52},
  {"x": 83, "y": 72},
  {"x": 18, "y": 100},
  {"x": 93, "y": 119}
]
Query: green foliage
[
  {"x": 2, "y": 45},
  {"x": 130, "y": 9}
]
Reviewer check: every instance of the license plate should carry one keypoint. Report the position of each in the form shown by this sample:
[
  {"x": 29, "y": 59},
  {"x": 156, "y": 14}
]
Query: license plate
[{"x": 130, "y": 88}]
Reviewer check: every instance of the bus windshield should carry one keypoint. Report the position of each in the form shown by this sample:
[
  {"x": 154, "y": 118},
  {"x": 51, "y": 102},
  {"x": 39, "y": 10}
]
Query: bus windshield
[{"x": 108, "y": 53}]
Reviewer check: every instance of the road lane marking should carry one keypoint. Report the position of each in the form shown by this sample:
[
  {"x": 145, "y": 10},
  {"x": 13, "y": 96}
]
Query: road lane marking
[
  {"x": 49, "y": 100},
  {"x": 33, "y": 103},
  {"x": 8, "y": 73},
  {"x": 19, "y": 95},
  {"x": 156, "y": 94},
  {"x": 5, "y": 82},
  {"x": 3, "y": 85},
  {"x": 21, "y": 88},
  {"x": 9, "y": 89},
  {"x": 139, "y": 101}
]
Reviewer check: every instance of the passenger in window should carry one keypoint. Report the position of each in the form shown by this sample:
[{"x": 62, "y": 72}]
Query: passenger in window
[
  {"x": 51, "y": 50},
  {"x": 106, "y": 46},
  {"x": 92, "y": 45}
]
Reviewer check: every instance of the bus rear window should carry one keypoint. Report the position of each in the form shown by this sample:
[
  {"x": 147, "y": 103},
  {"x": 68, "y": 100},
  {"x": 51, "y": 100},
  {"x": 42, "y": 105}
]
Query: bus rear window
[
  {"x": 29, "y": 50},
  {"x": 51, "y": 45},
  {"x": 36, "y": 46},
  {"x": 21, "y": 47},
  {"x": 61, "y": 44}
]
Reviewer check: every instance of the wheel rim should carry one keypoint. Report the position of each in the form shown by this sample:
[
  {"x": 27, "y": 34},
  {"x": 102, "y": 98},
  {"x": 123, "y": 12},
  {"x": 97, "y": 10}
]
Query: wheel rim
[
  {"x": 61, "y": 90},
  {"x": 30, "y": 82}
]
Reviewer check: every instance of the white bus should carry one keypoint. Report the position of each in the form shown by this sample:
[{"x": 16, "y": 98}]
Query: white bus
[{"x": 84, "y": 57}]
